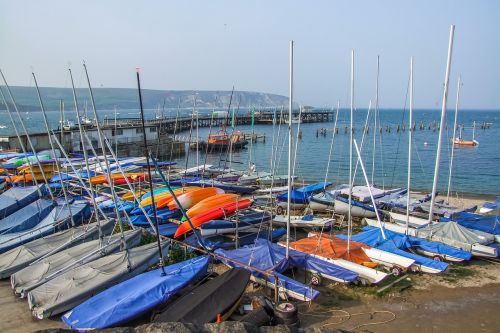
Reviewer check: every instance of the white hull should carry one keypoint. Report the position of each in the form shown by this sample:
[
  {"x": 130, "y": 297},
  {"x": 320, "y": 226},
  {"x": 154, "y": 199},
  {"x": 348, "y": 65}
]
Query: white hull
[
  {"x": 388, "y": 259},
  {"x": 320, "y": 207},
  {"x": 413, "y": 220},
  {"x": 298, "y": 222},
  {"x": 343, "y": 208}
]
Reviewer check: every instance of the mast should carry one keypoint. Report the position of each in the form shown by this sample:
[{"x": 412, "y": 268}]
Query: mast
[
  {"x": 453, "y": 139},
  {"x": 410, "y": 140},
  {"x": 290, "y": 105},
  {"x": 331, "y": 144},
  {"x": 150, "y": 179},
  {"x": 473, "y": 130},
  {"x": 441, "y": 127},
  {"x": 375, "y": 119},
  {"x": 349, "y": 215}
]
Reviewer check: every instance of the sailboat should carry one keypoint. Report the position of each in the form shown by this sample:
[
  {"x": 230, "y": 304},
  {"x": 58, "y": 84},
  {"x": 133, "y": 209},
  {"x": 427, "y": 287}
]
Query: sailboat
[{"x": 469, "y": 143}]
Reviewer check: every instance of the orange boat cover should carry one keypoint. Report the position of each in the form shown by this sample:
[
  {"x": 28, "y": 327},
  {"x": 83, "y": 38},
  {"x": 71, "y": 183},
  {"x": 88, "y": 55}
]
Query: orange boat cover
[{"x": 332, "y": 247}]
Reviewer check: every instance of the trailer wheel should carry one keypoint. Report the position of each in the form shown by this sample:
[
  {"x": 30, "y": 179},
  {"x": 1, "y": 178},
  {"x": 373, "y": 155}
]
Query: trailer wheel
[
  {"x": 415, "y": 269},
  {"x": 438, "y": 258},
  {"x": 316, "y": 280},
  {"x": 396, "y": 271},
  {"x": 280, "y": 210}
]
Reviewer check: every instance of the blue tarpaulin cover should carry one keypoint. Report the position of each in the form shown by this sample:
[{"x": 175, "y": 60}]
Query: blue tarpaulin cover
[
  {"x": 59, "y": 215},
  {"x": 486, "y": 223},
  {"x": 16, "y": 198},
  {"x": 398, "y": 243},
  {"x": 267, "y": 256},
  {"x": 134, "y": 297},
  {"x": 27, "y": 217},
  {"x": 302, "y": 195}
]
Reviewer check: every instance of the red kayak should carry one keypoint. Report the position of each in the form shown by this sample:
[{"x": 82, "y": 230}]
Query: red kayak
[{"x": 213, "y": 214}]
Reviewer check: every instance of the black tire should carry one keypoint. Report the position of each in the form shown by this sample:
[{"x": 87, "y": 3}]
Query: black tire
[
  {"x": 280, "y": 210},
  {"x": 396, "y": 271},
  {"x": 287, "y": 322},
  {"x": 437, "y": 258},
  {"x": 286, "y": 310},
  {"x": 316, "y": 280}
]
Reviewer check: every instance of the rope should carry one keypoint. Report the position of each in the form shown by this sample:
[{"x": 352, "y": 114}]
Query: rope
[{"x": 343, "y": 316}]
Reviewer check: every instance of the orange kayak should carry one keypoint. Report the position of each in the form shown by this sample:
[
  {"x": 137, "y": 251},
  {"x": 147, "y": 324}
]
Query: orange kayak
[
  {"x": 101, "y": 179},
  {"x": 27, "y": 177},
  {"x": 212, "y": 214},
  {"x": 162, "y": 199},
  {"x": 188, "y": 200},
  {"x": 211, "y": 202}
]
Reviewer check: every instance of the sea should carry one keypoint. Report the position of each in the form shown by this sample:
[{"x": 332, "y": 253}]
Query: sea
[{"x": 318, "y": 155}]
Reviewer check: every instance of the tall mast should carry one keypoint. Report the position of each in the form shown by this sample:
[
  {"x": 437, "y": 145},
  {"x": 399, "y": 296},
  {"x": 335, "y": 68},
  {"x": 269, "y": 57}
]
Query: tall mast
[
  {"x": 410, "y": 141},
  {"x": 150, "y": 179},
  {"x": 290, "y": 105},
  {"x": 349, "y": 215},
  {"x": 331, "y": 144},
  {"x": 453, "y": 139},
  {"x": 375, "y": 119},
  {"x": 441, "y": 127}
]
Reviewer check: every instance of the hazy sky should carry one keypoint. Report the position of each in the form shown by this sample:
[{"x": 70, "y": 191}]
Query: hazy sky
[{"x": 213, "y": 45}]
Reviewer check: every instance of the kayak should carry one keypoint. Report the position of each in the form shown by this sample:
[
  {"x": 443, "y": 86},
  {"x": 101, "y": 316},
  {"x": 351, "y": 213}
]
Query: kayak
[
  {"x": 212, "y": 214},
  {"x": 165, "y": 199},
  {"x": 211, "y": 202},
  {"x": 157, "y": 197},
  {"x": 188, "y": 200}
]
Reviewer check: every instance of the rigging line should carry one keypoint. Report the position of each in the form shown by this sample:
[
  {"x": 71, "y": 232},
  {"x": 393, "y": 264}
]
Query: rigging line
[
  {"x": 400, "y": 133},
  {"x": 224, "y": 124}
]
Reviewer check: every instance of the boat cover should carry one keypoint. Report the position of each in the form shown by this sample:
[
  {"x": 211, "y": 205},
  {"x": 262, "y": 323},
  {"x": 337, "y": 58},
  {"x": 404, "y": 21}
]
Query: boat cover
[
  {"x": 454, "y": 234},
  {"x": 203, "y": 304},
  {"x": 493, "y": 205},
  {"x": 445, "y": 210},
  {"x": 486, "y": 223},
  {"x": 362, "y": 193},
  {"x": 245, "y": 238},
  {"x": 135, "y": 296},
  {"x": 16, "y": 198},
  {"x": 37, "y": 274},
  {"x": 267, "y": 256},
  {"x": 26, "y": 217},
  {"x": 301, "y": 195},
  {"x": 21, "y": 256},
  {"x": 331, "y": 247},
  {"x": 167, "y": 229},
  {"x": 398, "y": 243},
  {"x": 228, "y": 187},
  {"x": 390, "y": 202},
  {"x": 59, "y": 218},
  {"x": 75, "y": 286}
]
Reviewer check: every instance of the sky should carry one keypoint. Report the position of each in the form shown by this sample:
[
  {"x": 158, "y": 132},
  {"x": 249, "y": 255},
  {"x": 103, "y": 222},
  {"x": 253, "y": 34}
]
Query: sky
[{"x": 213, "y": 45}]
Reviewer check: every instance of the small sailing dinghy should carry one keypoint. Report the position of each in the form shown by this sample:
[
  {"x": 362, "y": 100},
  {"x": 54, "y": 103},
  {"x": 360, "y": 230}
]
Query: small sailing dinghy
[
  {"x": 21, "y": 256},
  {"x": 27, "y": 217},
  {"x": 16, "y": 198},
  {"x": 76, "y": 286},
  {"x": 52, "y": 266},
  {"x": 207, "y": 301},
  {"x": 305, "y": 221},
  {"x": 266, "y": 256},
  {"x": 132, "y": 298},
  {"x": 58, "y": 219},
  {"x": 334, "y": 250}
]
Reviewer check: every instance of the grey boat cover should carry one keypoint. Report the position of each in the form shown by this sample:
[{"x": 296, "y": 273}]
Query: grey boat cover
[
  {"x": 453, "y": 234},
  {"x": 58, "y": 217},
  {"x": 16, "y": 198},
  {"x": 68, "y": 290},
  {"x": 37, "y": 274},
  {"x": 21, "y": 256}
]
